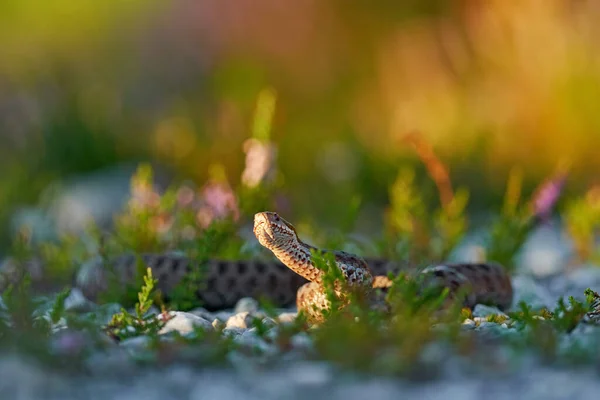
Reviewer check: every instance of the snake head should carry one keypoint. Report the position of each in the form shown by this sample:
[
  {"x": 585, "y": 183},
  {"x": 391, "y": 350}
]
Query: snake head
[{"x": 272, "y": 231}]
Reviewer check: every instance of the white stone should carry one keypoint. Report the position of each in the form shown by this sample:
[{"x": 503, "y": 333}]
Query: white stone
[
  {"x": 185, "y": 323},
  {"x": 469, "y": 324},
  {"x": 287, "y": 317},
  {"x": 240, "y": 320}
]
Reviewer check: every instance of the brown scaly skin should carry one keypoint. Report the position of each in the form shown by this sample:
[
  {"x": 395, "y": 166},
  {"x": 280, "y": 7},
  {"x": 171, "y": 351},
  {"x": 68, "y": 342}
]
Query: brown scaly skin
[
  {"x": 484, "y": 283},
  {"x": 224, "y": 282},
  {"x": 282, "y": 282}
]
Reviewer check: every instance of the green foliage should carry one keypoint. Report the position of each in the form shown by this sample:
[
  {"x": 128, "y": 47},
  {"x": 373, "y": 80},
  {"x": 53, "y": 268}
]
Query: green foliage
[
  {"x": 58, "y": 309},
  {"x": 507, "y": 235},
  {"x": 416, "y": 235},
  {"x": 124, "y": 324},
  {"x": 511, "y": 228},
  {"x": 389, "y": 341},
  {"x": 333, "y": 281},
  {"x": 582, "y": 221}
]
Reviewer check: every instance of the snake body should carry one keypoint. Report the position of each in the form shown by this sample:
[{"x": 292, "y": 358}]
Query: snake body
[
  {"x": 291, "y": 277},
  {"x": 487, "y": 283}
]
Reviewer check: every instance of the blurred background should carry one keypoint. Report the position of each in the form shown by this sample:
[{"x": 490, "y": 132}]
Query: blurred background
[{"x": 90, "y": 89}]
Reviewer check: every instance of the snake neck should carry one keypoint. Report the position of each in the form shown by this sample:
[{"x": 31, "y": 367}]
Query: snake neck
[{"x": 296, "y": 255}]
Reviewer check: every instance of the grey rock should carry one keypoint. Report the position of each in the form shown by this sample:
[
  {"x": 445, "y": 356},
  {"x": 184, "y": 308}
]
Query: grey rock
[
  {"x": 233, "y": 331},
  {"x": 481, "y": 310},
  {"x": 93, "y": 197},
  {"x": 76, "y": 301},
  {"x": 485, "y": 325},
  {"x": 39, "y": 223},
  {"x": 203, "y": 313},
  {"x": 113, "y": 362},
  {"x": 302, "y": 341},
  {"x": 576, "y": 281},
  {"x": 136, "y": 343},
  {"x": 223, "y": 315},
  {"x": 532, "y": 293},
  {"x": 269, "y": 322},
  {"x": 545, "y": 253},
  {"x": 310, "y": 373},
  {"x": 246, "y": 304},
  {"x": 69, "y": 343},
  {"x": 185, "y": 323},
  {"x": 250, "y": 338}
]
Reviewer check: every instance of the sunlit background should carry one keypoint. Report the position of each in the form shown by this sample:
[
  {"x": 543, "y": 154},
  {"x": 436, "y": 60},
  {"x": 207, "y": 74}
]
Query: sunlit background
[{"x": 90, "y": 89}]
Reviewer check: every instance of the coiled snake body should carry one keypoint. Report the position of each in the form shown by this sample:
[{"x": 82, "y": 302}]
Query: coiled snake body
[
  {"x": 484, "y": 283},
  {"x": 293, "y": 277}
]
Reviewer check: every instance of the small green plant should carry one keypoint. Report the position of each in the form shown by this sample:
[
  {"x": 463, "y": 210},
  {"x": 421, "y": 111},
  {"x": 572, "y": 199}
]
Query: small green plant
[
  {"x": 384, "y": 339},
  {"x": 124, "y": 324},
  {"x": 58, "y": 308},
  {"x": 582, "y": 221},
  {"x": 511, "y": 228},
  {"x": 418, "y": 237}
]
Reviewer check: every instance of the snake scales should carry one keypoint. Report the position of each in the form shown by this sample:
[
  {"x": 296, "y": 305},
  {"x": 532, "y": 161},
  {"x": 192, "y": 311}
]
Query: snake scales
[{"x": 292, "y": 277}]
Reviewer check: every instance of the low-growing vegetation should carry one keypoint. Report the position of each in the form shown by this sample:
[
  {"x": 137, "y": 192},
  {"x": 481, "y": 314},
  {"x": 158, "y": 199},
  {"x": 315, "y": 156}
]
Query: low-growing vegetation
[{"x": 396, "y": 340}]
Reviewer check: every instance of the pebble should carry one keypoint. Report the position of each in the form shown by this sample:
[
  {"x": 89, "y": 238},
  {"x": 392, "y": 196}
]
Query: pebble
[
  {"x": 223, "y": 315},
  {"x": 233, "y": 331},
  {"x": 532, "y": 293},
  {"x": 287, "y": 317},
  {"x": 302, "y": 341},
  {"x": 136, "y": 343},
  {"x": 246, "y": 304},
  {"x": 269, "y": 322},
  {"x": 481, "y": 310},
  {"x": 185, "y": 323},
  {"x": 218, "y": 324},
  {"x": 575, "y": 282},
  {"x": 77, "y": 302},
  {"x": 545, "y": 252},
  {"x": 469, "y": 324},
  {"x": 203, "y": 313},
  {"x": 240, "y": 320}
]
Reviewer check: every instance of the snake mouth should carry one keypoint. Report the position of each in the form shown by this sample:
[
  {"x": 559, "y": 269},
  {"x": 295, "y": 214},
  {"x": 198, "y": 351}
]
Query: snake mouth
[{"x": 260, "y": 230}]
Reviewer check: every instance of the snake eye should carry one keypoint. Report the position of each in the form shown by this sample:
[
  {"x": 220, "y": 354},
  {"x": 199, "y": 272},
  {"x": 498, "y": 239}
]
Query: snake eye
[{"x": 276, "y": 217}]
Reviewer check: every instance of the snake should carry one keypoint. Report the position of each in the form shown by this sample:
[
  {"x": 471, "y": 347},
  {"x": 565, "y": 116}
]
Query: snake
[
  {"x": 481, "y": 283},
  {"x": 291, "y": 277}
]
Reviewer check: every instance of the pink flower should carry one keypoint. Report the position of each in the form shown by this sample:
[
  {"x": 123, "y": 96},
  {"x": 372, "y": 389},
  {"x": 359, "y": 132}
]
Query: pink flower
[
  {"x": 546, "y": 196},
  {"x": 219, "y": 201},
  {"x": 260, "y": 162}
]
